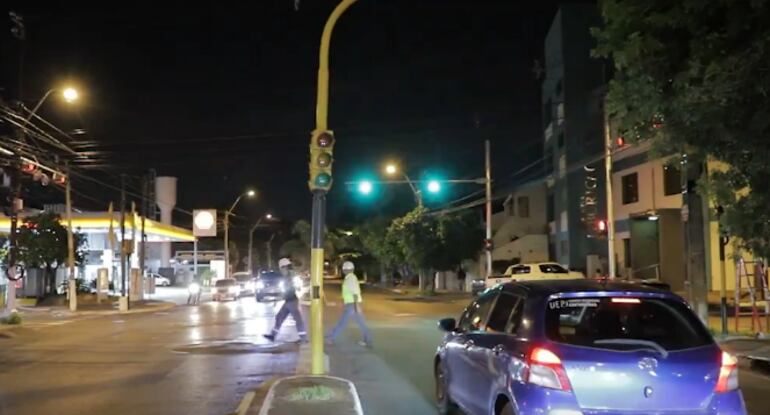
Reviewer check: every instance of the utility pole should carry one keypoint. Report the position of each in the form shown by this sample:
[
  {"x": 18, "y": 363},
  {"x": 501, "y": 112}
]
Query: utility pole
[
  {"x": 723, "y": 241},
  {"x": 143, "y": 236},
  {"x": 72, "y": 287},
  {"x": 123, "y": 291},
  {"x": 319, "y": 199},
  {"x": 227, "y": 243},
  {"x": 17, "y": 205},
  {"x": 611, "y": 264},
  {"x": 488, "y": 185},
  {"x": 269, "y": 251}
]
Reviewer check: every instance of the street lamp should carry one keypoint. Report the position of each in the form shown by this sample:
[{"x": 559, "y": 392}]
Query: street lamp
[
  {"x": 267, "y": 216},
  {"x": 69, "y": 94},
  {"x": 434, "y": 186},
  {"x": 365, "y": 187},
  {"x": 250, "y": 193},
  {"x": 392, "y": 169}
]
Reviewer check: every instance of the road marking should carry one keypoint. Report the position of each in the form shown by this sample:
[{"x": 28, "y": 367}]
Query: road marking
[
  {"x": 245, "y": 403},
  {"x": 405, "y": 315},
  {"x": 118, "y": 321}
]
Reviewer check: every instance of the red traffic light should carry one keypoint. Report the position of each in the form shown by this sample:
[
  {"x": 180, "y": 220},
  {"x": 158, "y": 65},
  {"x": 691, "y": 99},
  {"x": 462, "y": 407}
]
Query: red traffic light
[
  {"x": 60, "y": 179},
  {"x": 28, "y": 166},
  {"x": 601, "y": 225},
  {"x": 620, "y": 141},
  {"x": 325, "y": 140}
]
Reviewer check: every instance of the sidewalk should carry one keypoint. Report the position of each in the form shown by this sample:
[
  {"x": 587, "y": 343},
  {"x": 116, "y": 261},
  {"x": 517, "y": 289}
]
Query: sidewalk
[{"x": 43, "y": 316}]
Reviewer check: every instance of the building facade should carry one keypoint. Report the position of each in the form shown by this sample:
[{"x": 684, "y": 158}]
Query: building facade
[{"x": 572, "y": 96}]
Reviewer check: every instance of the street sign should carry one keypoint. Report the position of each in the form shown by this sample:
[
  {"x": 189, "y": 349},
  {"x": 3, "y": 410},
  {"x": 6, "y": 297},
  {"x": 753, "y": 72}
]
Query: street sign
[{"x": 205, "y": 222}]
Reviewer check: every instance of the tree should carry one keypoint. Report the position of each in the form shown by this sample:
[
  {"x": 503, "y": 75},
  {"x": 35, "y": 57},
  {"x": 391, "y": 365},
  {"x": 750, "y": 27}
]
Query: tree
[
  {"x": 416, "y": 236},
  {"x": 42, "y": 242},
  {"x": 298, "y": 248},
  {"x": 691, "y": 77},
  {"x": 373, "y": 236}
]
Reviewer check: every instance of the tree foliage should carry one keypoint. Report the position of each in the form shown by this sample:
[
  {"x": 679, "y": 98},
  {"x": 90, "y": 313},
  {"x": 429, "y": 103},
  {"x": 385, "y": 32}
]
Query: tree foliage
[
  {"x": 42, "y": 243},
  {"x": 691, "y": 76}
]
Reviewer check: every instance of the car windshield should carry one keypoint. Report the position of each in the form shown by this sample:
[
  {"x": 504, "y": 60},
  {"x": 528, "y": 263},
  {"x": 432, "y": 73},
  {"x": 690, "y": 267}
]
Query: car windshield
[
  {"x": 242, "y": 277},
  {"x": 225, "y": 283},
  {"x": 270, "y": 275},
  {"x": 624, "y": 323}
]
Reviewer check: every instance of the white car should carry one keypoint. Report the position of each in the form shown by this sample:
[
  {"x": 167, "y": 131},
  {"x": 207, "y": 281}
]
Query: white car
[
  {"x": 160, "y": 281},
  {"x": 533, "y": 272}
]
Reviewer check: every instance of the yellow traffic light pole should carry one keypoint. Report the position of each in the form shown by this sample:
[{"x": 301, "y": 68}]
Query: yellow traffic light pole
[{"x": 319, "y": 198}]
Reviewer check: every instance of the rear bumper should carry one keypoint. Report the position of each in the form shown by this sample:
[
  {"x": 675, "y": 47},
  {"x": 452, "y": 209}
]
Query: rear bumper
[{"x": 533, "y": 400}]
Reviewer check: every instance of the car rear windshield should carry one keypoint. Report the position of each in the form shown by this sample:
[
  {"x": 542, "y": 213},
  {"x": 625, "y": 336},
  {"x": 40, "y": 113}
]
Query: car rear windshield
[
  {"x": 270, "y": 275},
  {"x": 624, "y": 323},
  {"x": 225, "y": 283}
]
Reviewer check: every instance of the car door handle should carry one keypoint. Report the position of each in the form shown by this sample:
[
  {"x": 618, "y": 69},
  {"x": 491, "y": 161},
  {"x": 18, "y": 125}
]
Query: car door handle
[
  {"x": 497, "y": 350},
  {"x": 468, "y": 344}
]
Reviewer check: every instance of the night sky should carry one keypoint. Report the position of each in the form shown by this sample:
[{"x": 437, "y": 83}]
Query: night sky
[{"x": 223, "y": 96}]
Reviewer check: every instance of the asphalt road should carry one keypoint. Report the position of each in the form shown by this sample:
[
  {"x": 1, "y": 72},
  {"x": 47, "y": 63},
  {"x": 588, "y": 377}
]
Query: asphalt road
[
  {"x": 189, "y": 360},
  {"x": 202, "y": 360},
  {"x": 406, "y": 337}
]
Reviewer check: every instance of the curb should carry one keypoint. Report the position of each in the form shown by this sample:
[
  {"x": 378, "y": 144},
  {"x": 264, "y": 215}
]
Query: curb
[
  {"x": 266, "y": 404},
  {"x": 163, "y": 306}
]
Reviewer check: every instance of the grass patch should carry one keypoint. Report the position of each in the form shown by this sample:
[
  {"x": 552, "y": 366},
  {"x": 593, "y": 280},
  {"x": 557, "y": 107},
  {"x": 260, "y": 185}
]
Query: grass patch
[
  {"x": 13, "y": 319},
  {"x": 311, "y": 393}
]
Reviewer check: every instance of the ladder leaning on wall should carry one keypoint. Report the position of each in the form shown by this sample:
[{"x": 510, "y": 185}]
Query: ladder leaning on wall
[{"x": 751, "y": 290}]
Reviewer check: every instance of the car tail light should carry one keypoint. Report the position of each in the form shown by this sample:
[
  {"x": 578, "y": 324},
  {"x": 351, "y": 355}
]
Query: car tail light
[
  {"x": 728, "y": 374},
  {"x": 545, "y": 369}
]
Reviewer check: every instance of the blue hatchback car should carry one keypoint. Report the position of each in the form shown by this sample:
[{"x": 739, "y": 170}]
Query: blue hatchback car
[{"x": 585, "y": 347}]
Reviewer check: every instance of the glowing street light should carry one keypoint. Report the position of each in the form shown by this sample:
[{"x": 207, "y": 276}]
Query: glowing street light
[
  {"x": 70, "y": 94},
  {"x": 391, "y": 169},
  {"x": 269, "y": 216},
  {"x": 251, "y": 193}
]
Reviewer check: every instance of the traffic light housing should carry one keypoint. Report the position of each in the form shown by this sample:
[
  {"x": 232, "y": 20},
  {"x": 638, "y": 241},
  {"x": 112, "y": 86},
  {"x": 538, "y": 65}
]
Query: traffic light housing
[{"x": 321, "y": 159}]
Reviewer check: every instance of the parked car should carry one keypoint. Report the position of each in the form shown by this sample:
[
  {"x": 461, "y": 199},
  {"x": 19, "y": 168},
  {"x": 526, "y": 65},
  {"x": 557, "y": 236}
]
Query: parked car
[
  {"x": 582, "y": 347},
  {"x": 270, "y": 285},
  {"x": 246, "y": 282},
  {"x": 532, "y": 272},
  {"x": 226, "y": 288},
  {"x": 160, "y": 281}
]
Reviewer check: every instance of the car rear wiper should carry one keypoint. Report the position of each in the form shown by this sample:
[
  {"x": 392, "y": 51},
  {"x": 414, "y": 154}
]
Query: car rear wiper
[{"x": 633, "y": 342}]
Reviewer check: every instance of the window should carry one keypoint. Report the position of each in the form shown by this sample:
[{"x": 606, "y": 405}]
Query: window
[
  {"x": 520, "y": 269},
  {"x": 630, "y": 188},
  {"x": 553, "y": 269},
  {"x": 509, "y": 207},
  {"x": 601, "y": 323},
  {"x": 475, "y": 316},
  {"x": 560, "y": 140},
  {"x": 501, "y": 313},
  {"x": 672, "y": 181},
  {"x": 550, "y": 209},
  {"x": 627, "y": 252},
  {"x": 523, "y": 202}
]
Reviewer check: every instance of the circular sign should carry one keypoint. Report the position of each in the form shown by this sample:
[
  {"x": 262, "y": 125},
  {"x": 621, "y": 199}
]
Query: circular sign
[{"x": 204, "y": 220}]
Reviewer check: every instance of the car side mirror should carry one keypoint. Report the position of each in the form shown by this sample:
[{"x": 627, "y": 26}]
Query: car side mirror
[{"x": 447, "y": 324}]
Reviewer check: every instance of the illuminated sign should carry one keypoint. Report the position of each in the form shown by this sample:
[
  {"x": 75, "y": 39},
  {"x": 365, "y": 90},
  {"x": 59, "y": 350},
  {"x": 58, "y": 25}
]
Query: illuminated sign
[{"x": 205, "y": 222}]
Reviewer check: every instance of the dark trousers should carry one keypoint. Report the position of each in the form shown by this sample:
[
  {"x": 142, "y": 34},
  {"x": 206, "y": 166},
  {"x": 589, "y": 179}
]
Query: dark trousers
[{"x": 290, "y": 307}]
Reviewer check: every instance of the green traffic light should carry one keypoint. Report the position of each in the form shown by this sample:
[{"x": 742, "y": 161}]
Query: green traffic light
[
  {"x": 323, "y": 180},
  {"x": 365, "y": 187},
  {"x": 434, "y": 186}
]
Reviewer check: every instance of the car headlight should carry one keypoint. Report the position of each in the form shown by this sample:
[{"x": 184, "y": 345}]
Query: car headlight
[
  {"x": 194, "y": 288},
  {"x": 260, "y": 285},
  {"x": 297, "y": 282},
  {"x": 233, "y": 290},
  {"x": 281, "y": 286}
]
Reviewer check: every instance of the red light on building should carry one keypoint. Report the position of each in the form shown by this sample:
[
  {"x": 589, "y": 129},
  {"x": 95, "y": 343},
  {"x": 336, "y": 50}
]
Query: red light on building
[
  {"x": 620, "y": 141},
  {"x": 28, "y": 167}
]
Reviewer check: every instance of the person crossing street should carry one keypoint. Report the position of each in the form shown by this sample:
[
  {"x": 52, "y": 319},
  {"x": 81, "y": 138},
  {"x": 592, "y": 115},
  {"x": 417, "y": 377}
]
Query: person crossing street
[
  {"x": 351, "y": 297},
  {"x": 290, "y": 305}
]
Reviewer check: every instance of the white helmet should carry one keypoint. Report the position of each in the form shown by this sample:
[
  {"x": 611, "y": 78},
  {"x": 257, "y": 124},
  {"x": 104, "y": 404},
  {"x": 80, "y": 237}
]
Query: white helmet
[
  {"x": 284, "y": 262},
  {"x": 348, "y": 266}
]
